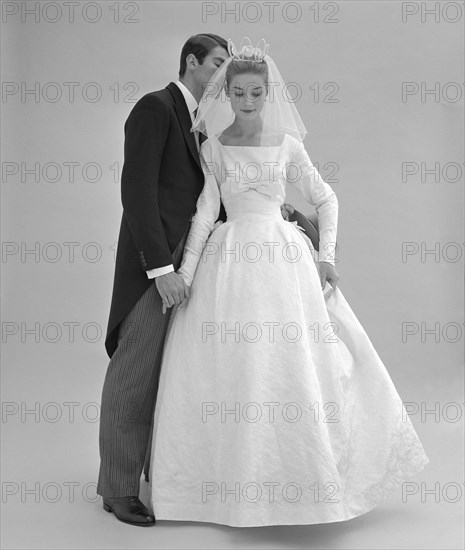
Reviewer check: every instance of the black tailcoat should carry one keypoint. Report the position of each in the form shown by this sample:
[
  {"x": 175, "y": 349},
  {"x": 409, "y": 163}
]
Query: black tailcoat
[{"x": 160, "y": 183}]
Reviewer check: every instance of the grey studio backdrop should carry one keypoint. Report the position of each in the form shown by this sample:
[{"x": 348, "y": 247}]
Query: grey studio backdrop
[{"x": 381, "y": 89}]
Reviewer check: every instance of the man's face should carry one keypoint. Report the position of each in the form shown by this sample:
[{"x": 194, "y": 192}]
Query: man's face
[{"x": 210, "y": 64}]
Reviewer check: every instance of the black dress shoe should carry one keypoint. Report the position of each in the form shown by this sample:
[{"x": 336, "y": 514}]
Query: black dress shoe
[{"x": 129, "y": 510}]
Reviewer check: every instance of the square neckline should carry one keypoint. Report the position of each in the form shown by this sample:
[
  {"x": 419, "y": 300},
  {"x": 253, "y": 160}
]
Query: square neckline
[{"x": 254, "y": 146}]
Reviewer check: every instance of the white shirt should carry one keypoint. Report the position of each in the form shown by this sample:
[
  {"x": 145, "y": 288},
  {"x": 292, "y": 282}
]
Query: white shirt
[{"x": 192, "y": 105}]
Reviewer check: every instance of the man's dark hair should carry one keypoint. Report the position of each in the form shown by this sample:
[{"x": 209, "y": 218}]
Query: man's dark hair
[{"x": 200, "y": 45}]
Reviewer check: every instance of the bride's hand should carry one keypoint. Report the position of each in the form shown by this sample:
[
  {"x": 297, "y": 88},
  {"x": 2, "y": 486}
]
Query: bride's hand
[
  {"x": 186, "y": 299},
  {"x": 181, "y": 304},
  {"x": 328, "y": 273},
  {"x": 172, "y": 289}
]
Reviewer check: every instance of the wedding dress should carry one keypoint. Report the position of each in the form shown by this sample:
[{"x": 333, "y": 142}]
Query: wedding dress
[{"x": 273, "y": 406}]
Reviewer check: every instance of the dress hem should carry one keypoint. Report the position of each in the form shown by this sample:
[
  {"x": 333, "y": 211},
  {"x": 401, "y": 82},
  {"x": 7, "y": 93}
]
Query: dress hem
[{"x": 171, "y": 512}]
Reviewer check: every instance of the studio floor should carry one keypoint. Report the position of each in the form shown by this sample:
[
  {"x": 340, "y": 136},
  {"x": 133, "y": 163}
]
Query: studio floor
[{"x": 50, "y": 469}]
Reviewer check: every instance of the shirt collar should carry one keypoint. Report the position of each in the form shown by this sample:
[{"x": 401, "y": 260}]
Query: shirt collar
[{"x": 188, "y": 97}]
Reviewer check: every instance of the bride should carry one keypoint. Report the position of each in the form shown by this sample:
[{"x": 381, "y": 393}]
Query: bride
[{"x": 273, "y": 406}]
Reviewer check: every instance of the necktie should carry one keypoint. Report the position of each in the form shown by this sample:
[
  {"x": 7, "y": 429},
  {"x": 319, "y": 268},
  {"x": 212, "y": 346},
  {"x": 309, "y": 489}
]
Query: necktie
[{"x": 201, "y": 136}]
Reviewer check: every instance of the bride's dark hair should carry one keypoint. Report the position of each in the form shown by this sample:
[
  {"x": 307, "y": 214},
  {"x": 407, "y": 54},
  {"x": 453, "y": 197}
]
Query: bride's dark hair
[{"x": 246, "y": 66}]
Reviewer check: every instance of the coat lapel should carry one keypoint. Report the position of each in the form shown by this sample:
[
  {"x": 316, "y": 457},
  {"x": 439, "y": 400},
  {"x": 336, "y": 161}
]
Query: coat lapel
[{"x": 184, "y": 117}]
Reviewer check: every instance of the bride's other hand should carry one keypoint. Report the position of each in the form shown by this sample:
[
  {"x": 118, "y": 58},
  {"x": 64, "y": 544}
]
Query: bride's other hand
[{"x": 328, "y": 273}]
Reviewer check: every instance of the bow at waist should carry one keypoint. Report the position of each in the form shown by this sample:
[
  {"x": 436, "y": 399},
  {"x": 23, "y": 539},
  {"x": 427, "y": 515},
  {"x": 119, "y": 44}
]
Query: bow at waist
[{"x": 266, "y": 187}]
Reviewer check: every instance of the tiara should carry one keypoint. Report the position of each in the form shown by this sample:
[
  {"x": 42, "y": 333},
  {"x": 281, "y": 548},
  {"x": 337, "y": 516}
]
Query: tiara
[{"x": 247, "y": 51}]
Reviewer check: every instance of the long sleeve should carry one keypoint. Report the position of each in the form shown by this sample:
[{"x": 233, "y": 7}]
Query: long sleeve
[
  {"x": 146, "y": 131},
  {"x": 207, "y": 210},
  {"x": 302, "y": 175}
]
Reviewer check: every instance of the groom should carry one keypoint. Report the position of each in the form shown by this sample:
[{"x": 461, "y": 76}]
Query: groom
[{"x": 161, "y": 181}]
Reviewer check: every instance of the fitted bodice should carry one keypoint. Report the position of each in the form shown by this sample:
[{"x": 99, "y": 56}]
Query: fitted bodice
[
  {"x": 251, "y": 183},
  {"x": 252, "y": 180}
]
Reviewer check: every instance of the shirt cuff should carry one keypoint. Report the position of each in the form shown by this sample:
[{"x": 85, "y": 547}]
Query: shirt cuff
[{"x": 152, "y": 273}]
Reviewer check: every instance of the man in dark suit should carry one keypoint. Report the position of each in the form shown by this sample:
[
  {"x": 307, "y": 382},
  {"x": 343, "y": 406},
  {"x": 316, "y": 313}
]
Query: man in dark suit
[{"x": 161, "y": 181}]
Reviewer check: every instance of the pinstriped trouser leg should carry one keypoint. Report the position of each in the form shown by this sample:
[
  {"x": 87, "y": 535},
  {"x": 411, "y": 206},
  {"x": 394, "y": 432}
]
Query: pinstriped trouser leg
[{"x": 129, "y": 393}]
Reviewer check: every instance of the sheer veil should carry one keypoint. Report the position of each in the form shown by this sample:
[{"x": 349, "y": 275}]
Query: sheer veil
[{"x": 279, "y": 114}]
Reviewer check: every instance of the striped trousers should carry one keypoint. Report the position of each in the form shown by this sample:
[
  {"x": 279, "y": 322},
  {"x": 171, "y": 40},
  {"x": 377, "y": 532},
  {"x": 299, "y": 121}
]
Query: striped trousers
[{"x": 130, "y": 391}]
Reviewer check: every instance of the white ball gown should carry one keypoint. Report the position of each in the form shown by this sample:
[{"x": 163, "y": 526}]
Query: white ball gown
[{"x": 273, "y": 406}]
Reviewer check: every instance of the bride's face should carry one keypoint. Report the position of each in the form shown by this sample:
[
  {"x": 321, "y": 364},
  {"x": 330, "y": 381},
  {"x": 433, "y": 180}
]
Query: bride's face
[{"x": 247, "y": 93}]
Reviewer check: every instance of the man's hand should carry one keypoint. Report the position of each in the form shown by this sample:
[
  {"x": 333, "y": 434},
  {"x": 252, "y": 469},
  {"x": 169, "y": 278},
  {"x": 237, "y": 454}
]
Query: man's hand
[
  {"x": 328, "y": 273},
  {"x": 287, "y": 210},
  {"x": 172, "y": 289}
]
